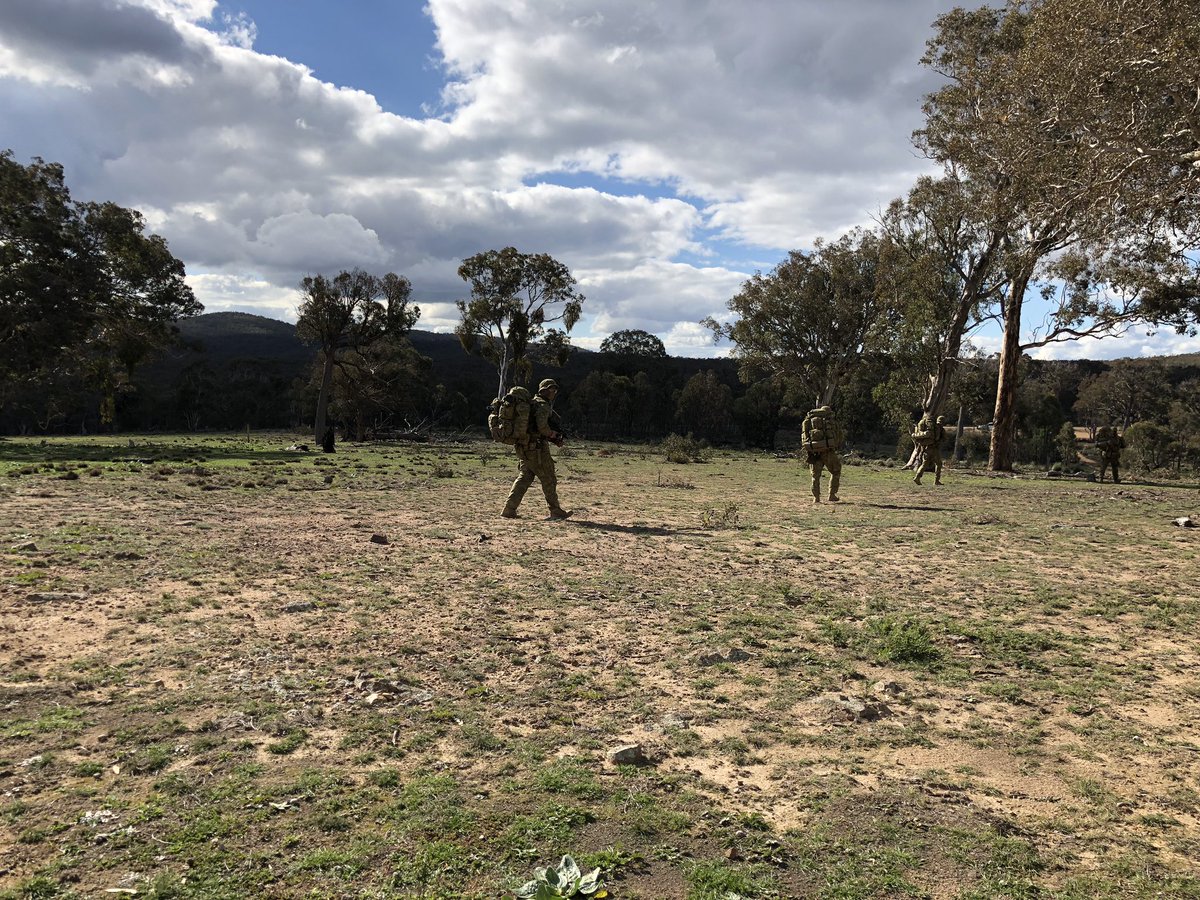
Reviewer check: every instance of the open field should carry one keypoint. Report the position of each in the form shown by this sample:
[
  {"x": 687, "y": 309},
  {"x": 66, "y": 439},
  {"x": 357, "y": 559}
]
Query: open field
[{"x": 215, "y": 684}]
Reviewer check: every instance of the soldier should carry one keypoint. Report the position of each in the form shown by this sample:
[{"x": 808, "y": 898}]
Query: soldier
[
  {"x": 822, "y": 438},
  {"x": 533, "y": 457},
  {"x": 929, "y": 436},
  {"x": 1110, "y": 444}
]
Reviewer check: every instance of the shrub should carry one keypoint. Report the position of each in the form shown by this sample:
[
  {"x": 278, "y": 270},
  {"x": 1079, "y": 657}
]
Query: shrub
[
  {"x": 975, "y": 445},
  {"x": 679, "y": 449},
  {"x": 1068, "y": 448},
  {"x": 1147, "y": 444}
]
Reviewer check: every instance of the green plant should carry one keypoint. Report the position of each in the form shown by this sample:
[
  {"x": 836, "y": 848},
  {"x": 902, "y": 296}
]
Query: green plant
[
  {"x": 679, "y": 449},
  {"x": 563, "y": 880},
  {"x": 726, "y": 517}
]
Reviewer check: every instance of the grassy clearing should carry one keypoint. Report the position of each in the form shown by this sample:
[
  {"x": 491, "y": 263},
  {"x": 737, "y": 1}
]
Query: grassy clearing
[{"x": 216, "y": 684}]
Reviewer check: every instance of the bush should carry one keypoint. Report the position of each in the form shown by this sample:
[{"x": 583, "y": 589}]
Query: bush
[
  {"x": 1148, "y": 445},
  {"x": 679, "y": 449},
  {"x": 975, "y": 445},
  {"x": 1068, "y": 448}
]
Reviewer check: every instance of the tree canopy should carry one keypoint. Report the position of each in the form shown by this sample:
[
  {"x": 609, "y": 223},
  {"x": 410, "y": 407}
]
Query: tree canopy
[
  {"x": 1067, "y": 209},
  {"x": 84, "y": 292},
  {"x": 514, "y": 298},
  {"x": 347, "y": 316},
  {"x": 634, "y": 342},
  {"x": 810, "y": 319}
]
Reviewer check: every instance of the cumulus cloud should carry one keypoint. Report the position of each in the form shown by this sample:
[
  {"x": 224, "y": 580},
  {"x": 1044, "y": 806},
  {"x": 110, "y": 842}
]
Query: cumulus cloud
[
  {"x": 1137, "y": 341},
  {"x": 755, "y": 126}
]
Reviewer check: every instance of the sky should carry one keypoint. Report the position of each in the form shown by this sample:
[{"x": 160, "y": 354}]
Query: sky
[{"x": 664, "y": 151}]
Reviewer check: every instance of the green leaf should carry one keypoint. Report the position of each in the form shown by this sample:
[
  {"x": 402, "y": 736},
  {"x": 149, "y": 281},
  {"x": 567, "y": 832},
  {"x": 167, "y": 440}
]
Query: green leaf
[
  {"x": 589, "y": 883},
  {"x": 568, "y": 870}
]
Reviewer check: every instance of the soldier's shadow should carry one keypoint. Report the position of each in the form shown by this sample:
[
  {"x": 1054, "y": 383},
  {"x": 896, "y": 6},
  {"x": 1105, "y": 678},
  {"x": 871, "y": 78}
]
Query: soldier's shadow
[
  {"x": 635, "y": 529},
  {"x": 907, "y": 506}
]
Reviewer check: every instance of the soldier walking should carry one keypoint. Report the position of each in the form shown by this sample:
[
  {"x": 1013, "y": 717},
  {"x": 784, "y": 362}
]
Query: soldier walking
[
  {"x": 822, "y": 438},
  {"x": 533, "y": 456},
  {"x": 929, "y": 436},
  {"x": 1110, "y": 444}
]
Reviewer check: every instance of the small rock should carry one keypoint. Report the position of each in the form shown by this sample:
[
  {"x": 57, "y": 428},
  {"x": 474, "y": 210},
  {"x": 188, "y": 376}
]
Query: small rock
[
  {"x": 850, "y": 709},
  {"x": 379, "y": 539},
  {"x": 627, "y": 755},
  {"x": 329, "y": 479},
  {"x": 299, "y": 607},
  {"x": 1185, "y": 522},
  {"x": 888, "y": 688},
  {"x": 736, "y": 655},
  {"x": 55, "y": 597},
  {"x": 28, "y": 547},
  {"x": 672, "y": 720},
  {"x": 128, "y": 554}
]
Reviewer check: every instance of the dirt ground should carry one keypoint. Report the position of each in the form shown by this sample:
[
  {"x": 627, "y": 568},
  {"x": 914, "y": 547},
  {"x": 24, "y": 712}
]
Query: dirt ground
[{"x": 231, "y": 669}]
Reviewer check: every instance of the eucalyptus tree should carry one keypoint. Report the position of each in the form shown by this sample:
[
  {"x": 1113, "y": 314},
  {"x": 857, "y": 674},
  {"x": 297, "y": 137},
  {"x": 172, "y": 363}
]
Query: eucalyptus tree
[
  {"x": 1066, "y": 217},
  {"x": 347, "y": 315},
  {"x": 811, "y": 318},
  {"x": 85, "y": 294},
  {"x": 634, "y": 342},
  {"x": 514, "y": 298},
  {"x": 941, "y": 250}
]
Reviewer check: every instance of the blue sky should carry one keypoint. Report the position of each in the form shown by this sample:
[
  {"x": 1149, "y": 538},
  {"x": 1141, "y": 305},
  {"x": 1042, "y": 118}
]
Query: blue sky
[
  {"x": 385, "y": 47},
  {"x": 663, "y": 151}
]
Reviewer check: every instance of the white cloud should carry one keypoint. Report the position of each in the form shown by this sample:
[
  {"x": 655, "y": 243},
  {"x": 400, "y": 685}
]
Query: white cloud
[
  {"x": 1135, "y": 342},
  {"x": 233, "y": 293},
  {"x": 774, "y": 121}
]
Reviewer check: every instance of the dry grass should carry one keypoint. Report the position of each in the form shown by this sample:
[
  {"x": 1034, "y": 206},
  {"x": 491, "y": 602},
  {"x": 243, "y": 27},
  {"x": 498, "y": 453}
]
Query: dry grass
[{"x": 215, "y": 684}]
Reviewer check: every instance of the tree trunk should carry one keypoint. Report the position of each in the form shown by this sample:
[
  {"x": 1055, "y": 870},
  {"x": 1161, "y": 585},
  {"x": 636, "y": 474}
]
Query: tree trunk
[
  {"x": 1004, "y": 422},
  {"x": 958, "y": 432},
  {"x": 323, "y": 397}
]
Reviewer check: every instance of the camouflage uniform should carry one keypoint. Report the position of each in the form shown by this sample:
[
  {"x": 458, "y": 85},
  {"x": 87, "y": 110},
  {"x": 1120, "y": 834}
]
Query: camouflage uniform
[
  {"x": 822, "y": 439},
  {"x": 929, "y": 437},
  {"x": 533, "y": 457},
  {"x": 1109, "y": 443}
]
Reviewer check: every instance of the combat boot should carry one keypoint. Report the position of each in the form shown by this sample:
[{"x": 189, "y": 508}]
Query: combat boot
[{"x": 560, "y": 513}]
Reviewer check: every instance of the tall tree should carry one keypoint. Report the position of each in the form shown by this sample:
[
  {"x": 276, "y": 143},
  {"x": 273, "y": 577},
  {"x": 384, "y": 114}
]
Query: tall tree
[
  {"x": 705, "y": 407},
  {"x": 514, "y": 298},
  {"x": 941, "y": 251},
  {"x": 351, "y": 312},
  {"x": 634, "y": 342},
  {"x": 1058, "y": 187},
  {"x": 811, "y": 317},
  {"x": 84, "y": 292}
]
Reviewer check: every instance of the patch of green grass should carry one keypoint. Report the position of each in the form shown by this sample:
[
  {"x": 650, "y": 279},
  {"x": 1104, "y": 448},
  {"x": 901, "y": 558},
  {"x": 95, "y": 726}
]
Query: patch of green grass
[
  {"x": 717, "y": 880},
  {"x": 344, "y": 863},
  {"x": 291, "y": 742}
]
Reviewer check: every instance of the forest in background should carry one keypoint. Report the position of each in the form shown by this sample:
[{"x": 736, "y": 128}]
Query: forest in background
[{"x": 234, "y": 371}]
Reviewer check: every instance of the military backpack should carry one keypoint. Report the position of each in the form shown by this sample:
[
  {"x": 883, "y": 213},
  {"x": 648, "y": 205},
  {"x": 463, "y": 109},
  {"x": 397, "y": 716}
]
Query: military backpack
[
  {"x": 925, "y": 435},
  {"x": 821, "y": 431},
  {"x": 508, "y": 417}
]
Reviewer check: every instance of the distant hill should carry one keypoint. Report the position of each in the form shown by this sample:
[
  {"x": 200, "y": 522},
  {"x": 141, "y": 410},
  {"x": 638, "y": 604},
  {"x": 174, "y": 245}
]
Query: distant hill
[{"x": 223, "y": 336}]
